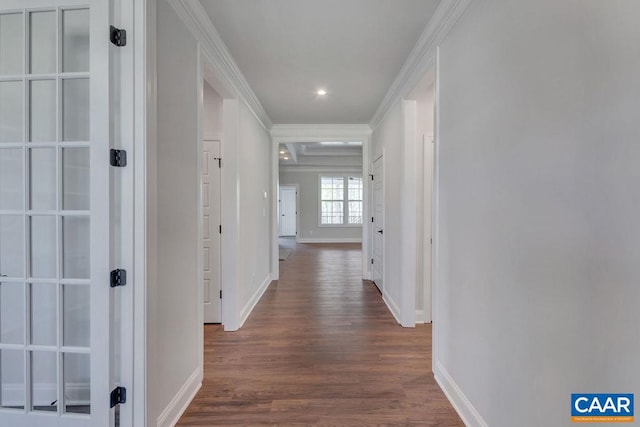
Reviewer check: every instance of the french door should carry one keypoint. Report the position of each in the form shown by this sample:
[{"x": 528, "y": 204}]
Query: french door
[{"x": 56, "y": 305}]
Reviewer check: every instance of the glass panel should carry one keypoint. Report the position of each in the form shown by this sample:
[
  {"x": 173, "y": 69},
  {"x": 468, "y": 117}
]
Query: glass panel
[
  {"x": 75, "y": 110},
  {"x": 75, "y": 179},
  {"x": 11, "y": 246},
  {"x": 11, "y": 313},
  {"x": 11, "y": 111},
  {"x": 44, "y": 381},
  {"x": 43, "y": 178},
  {"x": 355, "y": 212},
  {"x": 332, "y": 212},
  {"x": 77, "y": 383},
  {"x": 75, "y": 40},
  {"x": 76, "y": 247},
  {"x": 42, "y": 102},
  {"x": 355, "y": 188},
  {"x": 42, "y": 31},
  {"x": 11, "y": 42},
  {"x": 11, "y": 173},
  {"x": 12, "y": 379},
  {"x": 76, "y": 315},
  {"x": 43, "y": 314},
  {"x": 43, "y": 246}
]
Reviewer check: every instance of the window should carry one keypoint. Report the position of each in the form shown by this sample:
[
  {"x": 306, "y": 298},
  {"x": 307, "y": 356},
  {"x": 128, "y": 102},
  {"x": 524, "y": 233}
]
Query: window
[{"x": 340, "y": 200}]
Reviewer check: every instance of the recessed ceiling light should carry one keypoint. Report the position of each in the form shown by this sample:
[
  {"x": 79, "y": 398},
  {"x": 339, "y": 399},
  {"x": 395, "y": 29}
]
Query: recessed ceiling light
[
  {"x": 322, "y": 92},
  {"x": 286, "y": 158},
  {"x": 282, "y": 151}
]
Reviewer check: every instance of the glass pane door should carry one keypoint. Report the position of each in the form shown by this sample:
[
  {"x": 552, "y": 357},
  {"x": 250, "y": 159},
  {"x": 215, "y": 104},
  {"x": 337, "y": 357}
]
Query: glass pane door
[{"x": 49, "y": 293}]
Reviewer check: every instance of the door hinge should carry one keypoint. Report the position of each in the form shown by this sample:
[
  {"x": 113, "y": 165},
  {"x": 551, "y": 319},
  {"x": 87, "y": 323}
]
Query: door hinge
[
  {"x": 117, "y": 36},
  {"x": 220, "y": 229},
  {"x": 371, "y": 260},
  {"x": 431, "y": 241},
  {"x": 118, "y": 278},
  {"x": 219, "y": 159},
  {"x": 371, "y": 175},
  {"x": 220, "y": 293},
  {"x": 371, "y": 219},
  {"x": 118, "y": 396},
  {"x": 118, "y": 158}
]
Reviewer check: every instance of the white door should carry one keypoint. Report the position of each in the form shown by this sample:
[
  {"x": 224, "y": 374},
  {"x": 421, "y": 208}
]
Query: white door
[
  {"x": 211, "y": 232},
  {"x": 288, "y": 211},
  {"x": 56, "y": 305},
  {"x": 378, "y": 223}
]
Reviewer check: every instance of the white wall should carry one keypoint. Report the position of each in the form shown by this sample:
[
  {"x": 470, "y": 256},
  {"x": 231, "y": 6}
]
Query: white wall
[
  {"x": 173, "y": 320},
  {"x": 388, "y": 136},
  {"x": 538, "y": 206},
  {"x": 308, "y": 210},
  {"x": 212, "y": 114},
  {"x": 254, "y": 255}
]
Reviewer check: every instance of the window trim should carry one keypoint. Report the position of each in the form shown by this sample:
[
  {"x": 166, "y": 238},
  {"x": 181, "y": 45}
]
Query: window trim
[{"x": 345, "y": 199}]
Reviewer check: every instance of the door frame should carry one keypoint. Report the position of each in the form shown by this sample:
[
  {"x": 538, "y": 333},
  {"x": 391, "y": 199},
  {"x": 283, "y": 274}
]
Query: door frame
[
  {"x": 292, "y": 134},
  {"x": 372, "y": 210},
  {"x": 295, "y": 187}
]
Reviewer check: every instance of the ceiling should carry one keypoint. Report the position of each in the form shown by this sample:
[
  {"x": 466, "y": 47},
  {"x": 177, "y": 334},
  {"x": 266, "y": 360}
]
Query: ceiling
[
  {"x": 330, "y": 153},
  {"x": 289, "y": 49}
]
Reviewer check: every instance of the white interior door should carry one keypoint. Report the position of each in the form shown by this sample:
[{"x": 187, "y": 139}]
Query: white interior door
[
  {"x": 211, "y": 232},
  {"x": 288, "y": 211},
  {"x": 56, "y": 311},
  {"x": 378, "y": 223}
]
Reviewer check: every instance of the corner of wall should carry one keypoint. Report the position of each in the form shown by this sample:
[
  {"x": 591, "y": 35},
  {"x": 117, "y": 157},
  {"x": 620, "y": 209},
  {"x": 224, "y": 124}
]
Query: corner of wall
[{"x": 172, "y": 413}]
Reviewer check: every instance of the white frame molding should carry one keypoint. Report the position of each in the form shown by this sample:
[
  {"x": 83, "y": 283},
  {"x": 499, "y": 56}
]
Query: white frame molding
[
  {"x": 289, "y": 134},
  {"x": 345, "y": 200}
]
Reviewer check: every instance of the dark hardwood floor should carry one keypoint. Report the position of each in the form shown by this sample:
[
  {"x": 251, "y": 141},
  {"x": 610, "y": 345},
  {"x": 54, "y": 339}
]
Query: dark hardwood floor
[{"x": 320, "y": 348}]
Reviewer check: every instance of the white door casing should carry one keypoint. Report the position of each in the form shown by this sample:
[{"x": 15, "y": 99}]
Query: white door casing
[
  {"x": 211, "y": 220},
  {"x": 377, "y": 202},
  {"x": 56, "y": 237},
  {"x": 288, "y": 211}
]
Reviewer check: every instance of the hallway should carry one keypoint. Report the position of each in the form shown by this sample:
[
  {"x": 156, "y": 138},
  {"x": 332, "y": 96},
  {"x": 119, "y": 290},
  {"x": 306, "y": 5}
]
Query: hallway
[{"x": 320, "y": 348}]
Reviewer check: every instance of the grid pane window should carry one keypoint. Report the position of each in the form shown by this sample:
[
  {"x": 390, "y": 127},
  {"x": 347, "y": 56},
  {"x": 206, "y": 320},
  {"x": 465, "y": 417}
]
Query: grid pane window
[{"x": 340, "y": 200}]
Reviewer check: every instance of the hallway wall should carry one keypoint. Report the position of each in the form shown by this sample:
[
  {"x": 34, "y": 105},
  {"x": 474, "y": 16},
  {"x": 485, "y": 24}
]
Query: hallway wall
[
  {"x": 173, "y": 317},
  {"x": 539, "y": 203}
]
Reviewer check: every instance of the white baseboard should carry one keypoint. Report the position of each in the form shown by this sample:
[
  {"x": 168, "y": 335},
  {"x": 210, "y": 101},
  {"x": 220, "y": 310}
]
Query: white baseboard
[
  {"x": 419, "y": 317},
  {"x": 249, "y": 306},
  {"x": 45, "y": 393},
  {"x": 329, "y": 240},
  {"x": 459, "y": 401},
  {"x": 172, "y": 413},
  {"x": 392, "y": 306}
]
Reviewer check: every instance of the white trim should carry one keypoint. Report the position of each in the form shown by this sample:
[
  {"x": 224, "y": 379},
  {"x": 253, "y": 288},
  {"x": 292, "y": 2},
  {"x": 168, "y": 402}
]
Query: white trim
[
  {"x": 422, "y": 56},
  {"x": 297, "y": 133},
  {"x": 322, "y": 169},
  {"x": 391, "y": 305},
  {"x": 420, "y": 317},
  {"x": 288, "y": 133},
  {"x": 435, "y": 209},
  {"x": 174, "y": 410},
  {"x": 330, "y": 240},
  {"x": 198, "y": 22},
  {"x": 460, "y": 402},
  {"x": 250, "y": 305}
]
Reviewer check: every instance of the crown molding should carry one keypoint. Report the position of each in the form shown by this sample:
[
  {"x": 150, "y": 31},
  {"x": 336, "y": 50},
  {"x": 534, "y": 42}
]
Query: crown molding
[
  {"x": 198, "y": 22},
  {"x": 316, "y": 133},
  {"x": 422, "y": 56}
]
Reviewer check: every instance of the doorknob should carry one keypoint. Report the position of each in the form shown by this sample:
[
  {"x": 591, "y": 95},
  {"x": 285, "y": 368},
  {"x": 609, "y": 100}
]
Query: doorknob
[{"x": 380, "y": 231}]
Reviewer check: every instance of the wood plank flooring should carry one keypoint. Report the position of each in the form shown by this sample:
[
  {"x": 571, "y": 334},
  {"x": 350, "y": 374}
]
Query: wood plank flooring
[{"x": 320, "y": 348}]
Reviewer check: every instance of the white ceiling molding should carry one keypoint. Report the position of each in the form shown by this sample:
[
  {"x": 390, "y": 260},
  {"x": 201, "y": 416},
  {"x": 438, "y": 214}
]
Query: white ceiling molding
[
  {"x": 321, "y": 169},
  {"x": 422, "y": 56},
  {"x": 318, "y": 133},
  {"x": 197, "y": 21}
]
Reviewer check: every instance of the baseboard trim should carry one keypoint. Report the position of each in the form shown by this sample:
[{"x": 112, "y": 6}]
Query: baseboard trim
[
  {"x": 462, "y": 405},
  {"x": 330, "y": 240},
  {"x": 248, "y": 308},
  {"x": 172, "y": 413},
  {"x": 420, "y": 317},
  {"x": 392, "y": 306}
]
